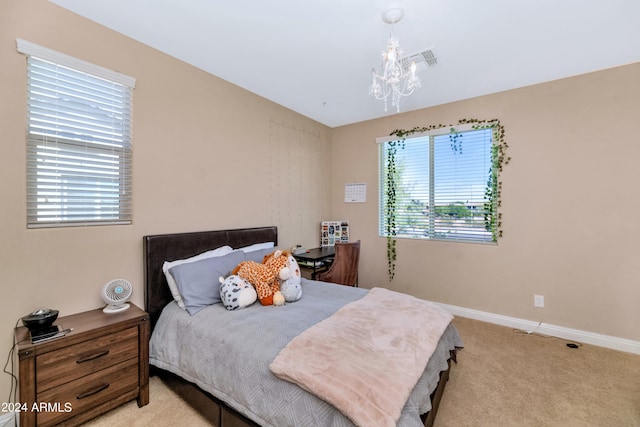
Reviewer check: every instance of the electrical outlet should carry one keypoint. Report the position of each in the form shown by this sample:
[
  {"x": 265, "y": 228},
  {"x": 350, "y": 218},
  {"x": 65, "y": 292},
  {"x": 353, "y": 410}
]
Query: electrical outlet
[{"x": 538, "y": 300}]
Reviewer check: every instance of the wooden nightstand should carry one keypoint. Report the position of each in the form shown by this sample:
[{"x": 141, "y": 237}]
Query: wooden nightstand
[{"x": 102, "y": 363}]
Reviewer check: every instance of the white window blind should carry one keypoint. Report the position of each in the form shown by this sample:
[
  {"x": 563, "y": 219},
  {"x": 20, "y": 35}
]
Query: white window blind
[
  {"x": 78, "y": 142},
  {"x": 439, "y": 187}
]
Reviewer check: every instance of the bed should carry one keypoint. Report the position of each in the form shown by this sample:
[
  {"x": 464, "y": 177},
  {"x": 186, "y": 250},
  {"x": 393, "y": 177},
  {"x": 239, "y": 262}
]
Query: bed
[{"x": 252, "y": 395}]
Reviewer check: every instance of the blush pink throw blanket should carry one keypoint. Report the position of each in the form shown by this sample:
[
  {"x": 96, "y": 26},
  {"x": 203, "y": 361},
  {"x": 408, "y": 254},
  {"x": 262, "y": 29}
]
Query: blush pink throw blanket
[{"x": 367, "y": 357}]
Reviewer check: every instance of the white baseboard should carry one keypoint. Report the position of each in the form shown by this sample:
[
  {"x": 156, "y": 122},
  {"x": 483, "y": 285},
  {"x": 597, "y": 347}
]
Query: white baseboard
[
  {"x": 569, "y": 334},
  {"x": 7, "y": 419}
]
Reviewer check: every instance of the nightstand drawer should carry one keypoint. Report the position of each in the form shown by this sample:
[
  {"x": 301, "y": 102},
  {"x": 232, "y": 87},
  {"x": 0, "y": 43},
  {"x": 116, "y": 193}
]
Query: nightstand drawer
[
  {"x": 73, "y": 398},
  {"x": 59, "y": 367}
]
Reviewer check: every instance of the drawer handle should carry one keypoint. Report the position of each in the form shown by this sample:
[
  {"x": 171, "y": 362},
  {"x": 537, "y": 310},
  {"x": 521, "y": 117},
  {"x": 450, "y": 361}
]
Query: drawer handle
[
  {"x": 93, "y": 391},
  {"x": 92, "y": 356}
]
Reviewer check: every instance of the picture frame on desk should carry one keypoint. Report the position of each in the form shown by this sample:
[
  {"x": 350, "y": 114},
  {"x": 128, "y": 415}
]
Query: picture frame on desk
[{"x": 333, "y": 231}]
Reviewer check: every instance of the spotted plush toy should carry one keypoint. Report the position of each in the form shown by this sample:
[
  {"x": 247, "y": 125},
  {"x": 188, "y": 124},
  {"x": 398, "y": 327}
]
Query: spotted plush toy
[
  {"x": 264, "y": 276},
  {"x": 278, "y": 261},
  {"x": 261, "y": 277},
  {"x": 236, "y": 292}
]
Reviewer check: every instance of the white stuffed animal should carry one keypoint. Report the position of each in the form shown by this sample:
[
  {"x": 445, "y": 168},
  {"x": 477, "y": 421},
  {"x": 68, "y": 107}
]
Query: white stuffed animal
[
  {"x": 236, "y": 292},
  {"x": 290, "y": 284}
]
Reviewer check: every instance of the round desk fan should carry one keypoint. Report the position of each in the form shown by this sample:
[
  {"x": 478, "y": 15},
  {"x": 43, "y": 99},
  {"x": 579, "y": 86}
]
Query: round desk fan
[{"x": 115, "y": 294}]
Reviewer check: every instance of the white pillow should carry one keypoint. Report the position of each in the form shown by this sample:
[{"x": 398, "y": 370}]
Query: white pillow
[
  {"x": 173, "y": 286},
  {"x": 256, "y": 247}
]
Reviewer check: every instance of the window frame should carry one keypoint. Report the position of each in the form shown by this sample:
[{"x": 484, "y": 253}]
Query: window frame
[
  {"x": 389, "y": 229},
  {"x": 88, "y": 159}
]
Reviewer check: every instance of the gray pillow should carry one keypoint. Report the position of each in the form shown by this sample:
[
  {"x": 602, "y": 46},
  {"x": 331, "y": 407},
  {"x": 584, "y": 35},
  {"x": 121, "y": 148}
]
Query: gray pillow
[
  {"x": 198, "y": 281},
  {"x": 258, "y": 255}
]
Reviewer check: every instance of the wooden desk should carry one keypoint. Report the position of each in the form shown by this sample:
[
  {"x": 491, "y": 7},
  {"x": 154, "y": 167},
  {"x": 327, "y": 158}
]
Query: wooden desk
[{"x": 316, "y": 259}]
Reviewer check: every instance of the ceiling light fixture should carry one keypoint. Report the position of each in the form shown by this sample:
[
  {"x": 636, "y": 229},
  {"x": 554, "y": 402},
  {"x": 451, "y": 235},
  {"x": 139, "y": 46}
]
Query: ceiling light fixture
[{"x": 397, "y": 79}]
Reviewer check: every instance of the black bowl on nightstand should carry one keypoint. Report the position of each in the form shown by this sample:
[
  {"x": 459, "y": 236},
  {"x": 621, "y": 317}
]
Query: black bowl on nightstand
[{"x": 40, "y": 319}]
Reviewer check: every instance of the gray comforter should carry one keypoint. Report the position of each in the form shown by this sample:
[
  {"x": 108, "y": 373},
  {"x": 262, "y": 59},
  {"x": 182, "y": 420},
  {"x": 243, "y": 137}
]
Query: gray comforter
[{"x": 228, "y": 353}]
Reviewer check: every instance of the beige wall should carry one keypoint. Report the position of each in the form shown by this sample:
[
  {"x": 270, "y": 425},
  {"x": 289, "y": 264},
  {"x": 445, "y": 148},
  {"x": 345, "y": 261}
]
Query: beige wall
[
  {"x": 207, "y": 155},
  {"x": 569, "y": 205}
]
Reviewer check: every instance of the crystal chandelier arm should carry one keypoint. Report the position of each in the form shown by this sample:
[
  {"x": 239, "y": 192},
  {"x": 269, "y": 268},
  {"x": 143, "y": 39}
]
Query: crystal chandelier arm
[{"x": 379, "y": 88}]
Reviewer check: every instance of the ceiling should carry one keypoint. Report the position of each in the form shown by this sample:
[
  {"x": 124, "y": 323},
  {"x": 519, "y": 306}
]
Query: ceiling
[{"x": 315, "y": 57}]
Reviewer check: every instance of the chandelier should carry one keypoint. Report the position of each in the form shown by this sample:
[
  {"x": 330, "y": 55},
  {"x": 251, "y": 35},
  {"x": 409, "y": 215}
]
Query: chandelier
[{"x": 397, "y": 78}]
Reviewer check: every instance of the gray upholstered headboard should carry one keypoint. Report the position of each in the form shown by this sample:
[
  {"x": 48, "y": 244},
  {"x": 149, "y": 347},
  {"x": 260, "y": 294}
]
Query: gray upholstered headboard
[{"x": 169, "y": 247}]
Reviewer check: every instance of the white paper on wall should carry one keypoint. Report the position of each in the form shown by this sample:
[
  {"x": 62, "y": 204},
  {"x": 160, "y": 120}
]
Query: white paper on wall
[{"x": 355, "y": 193}]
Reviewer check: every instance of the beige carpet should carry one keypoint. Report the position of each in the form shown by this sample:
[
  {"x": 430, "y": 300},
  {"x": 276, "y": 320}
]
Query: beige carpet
[
  {"x": 164, "y": 409},
  {"x": 503, "y": 378}
]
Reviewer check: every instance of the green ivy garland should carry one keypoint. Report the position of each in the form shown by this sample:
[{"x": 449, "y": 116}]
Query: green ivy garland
[
  {"x": 493, "y": 189},
  {"x": 390, "y": 205}
]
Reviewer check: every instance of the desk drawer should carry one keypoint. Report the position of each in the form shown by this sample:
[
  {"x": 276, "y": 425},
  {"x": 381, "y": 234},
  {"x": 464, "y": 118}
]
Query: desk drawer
[
  {"x": 68, "y": 364},
  {"x": 75, "y": 397}
]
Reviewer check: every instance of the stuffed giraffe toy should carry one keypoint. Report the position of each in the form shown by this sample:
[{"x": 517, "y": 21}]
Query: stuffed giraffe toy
[{"x": 265, "y": 277}]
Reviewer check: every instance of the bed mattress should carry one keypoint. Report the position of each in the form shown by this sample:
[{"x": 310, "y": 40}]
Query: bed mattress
[{"x": 227, "y": 353}]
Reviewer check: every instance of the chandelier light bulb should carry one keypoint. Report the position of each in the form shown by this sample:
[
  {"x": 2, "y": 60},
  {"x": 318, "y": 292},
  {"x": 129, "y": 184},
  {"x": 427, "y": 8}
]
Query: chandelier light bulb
[{"x": 391, "y": 55}]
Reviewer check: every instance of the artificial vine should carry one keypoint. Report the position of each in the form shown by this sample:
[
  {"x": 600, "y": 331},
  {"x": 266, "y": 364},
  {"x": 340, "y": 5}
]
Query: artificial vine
[
  {"x": 455, "y": 140},
  {"x": 390, "y": 205},
  {"x": 499, "y": 158}
]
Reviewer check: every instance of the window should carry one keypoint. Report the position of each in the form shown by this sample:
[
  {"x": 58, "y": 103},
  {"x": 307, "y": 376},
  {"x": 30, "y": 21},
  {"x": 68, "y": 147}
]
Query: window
[
  {"x": 78, "y": 141},
  {"x": 439, "y": 185}
]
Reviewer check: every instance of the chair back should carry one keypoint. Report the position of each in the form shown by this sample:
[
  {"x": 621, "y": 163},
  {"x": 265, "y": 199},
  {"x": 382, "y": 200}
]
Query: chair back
[{"x": 344, "y": 269}]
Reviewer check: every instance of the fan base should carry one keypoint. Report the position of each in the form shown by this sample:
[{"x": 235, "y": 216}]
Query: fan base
[{"x": 115, "y": 308}]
